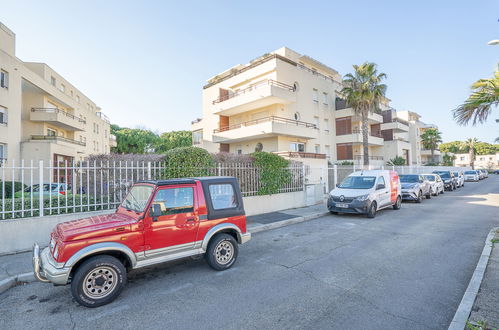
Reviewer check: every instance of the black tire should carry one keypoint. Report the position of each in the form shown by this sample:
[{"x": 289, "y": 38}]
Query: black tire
[
  {"x": 398, "y": 203},
  {"x": 218, "y": 248},
  {"x": 428, "y": 196},
  {"x": 101, "y": 273},
  {"x": 420, "y": 197},
  {"x": 443, "y": 191},
  {"x": 371, "y": 213}
]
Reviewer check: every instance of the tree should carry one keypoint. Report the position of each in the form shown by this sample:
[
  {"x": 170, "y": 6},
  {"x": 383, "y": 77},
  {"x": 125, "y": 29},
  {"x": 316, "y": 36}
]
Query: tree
[
  {"x": 448, "y": 160},
  {"x": 431, "y": 138},
  {"x": 478, "y": 106},
  {"x": 470, "y": 144},
  {"x": 397, "y": 161},
  {"x": 134, "y": 140},
  {"x": 175, "y": 139},
  {"x": 364, "y": 91},
  {"x": 484, "y": 148},
  {"x": 453, "y": 147}
]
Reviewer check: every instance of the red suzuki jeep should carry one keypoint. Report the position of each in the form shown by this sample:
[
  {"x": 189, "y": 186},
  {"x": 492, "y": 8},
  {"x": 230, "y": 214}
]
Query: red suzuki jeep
[{"x": 158, "y": 221}]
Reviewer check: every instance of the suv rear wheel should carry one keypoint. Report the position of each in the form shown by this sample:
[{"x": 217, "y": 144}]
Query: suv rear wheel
[
  {"x": 222, "y": 252},
  {"x": 98, "y": 281},
  {"x": 420, "y": 197},
  {"x": 398, "y": 203}
]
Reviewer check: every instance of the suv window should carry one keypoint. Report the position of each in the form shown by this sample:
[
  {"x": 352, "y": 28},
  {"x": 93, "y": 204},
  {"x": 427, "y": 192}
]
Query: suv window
[
  {"x": 223, "y": 196},
  {"x": 175, "y": 200}
]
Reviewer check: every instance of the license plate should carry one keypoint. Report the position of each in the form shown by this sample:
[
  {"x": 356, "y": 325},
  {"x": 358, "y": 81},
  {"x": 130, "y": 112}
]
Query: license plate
[{"x": 342, "y": 205}]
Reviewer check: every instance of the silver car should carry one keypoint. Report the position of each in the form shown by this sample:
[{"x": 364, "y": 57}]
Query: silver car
[
  {"x": 436, "y": 184},
  {"x": 459, "y": 178},
  {"x": 414, "y": 187}
]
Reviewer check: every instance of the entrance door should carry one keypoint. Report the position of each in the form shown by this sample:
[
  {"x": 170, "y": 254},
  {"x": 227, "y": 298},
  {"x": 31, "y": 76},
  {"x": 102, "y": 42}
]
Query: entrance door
[{"x": 176, "y": 229}]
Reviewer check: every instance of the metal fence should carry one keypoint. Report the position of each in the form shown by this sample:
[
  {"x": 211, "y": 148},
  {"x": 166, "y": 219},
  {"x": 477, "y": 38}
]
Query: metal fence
[{"x": 40, "y": 189}]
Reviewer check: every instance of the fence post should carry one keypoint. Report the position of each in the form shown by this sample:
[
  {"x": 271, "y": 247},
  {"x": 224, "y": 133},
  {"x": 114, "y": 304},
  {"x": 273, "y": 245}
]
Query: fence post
[
  {"x": 335, "y": 175},
  {"x": 148, "y": 170},
  {"x": 393, "y": 167},
  {"x": 40, "y": 187},
  {"x": 219, "y": 169},
  {"x": 303, "y": 175}
]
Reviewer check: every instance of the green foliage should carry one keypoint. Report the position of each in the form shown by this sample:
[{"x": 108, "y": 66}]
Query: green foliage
[
  {"x": 397, "y": 161},
  {"x": 484, "y": 148},
  {"x": 345, "y": 162},
  {"x": 18, "y": 186},
  {"x": 431, "y": 138},
  {"x": 187, "y": 162},
  {"x": 175, "y": 139},
  {"x": 134, "y": 140},
  {"x": 459, "y": 147},
  {"x": 448, "y": 160},
  {"x": 453, "y": 147},
  {"x": 274, "y": 172}
]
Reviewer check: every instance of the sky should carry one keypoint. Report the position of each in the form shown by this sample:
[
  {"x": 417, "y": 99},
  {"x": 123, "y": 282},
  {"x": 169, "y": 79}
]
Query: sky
[{"x": 145, "y": 62}]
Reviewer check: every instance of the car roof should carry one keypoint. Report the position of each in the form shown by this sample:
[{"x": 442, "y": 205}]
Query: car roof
[
  {"x": 369, "y": 173},
  {"x": 170, "y": 182}
]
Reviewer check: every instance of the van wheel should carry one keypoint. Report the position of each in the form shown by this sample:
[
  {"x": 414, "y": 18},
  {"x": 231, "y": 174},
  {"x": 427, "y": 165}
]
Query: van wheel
[
  {"x": 420, "y": 197},
  {"x": 98, "y": 281},
  {"x": 398, "y": 204},
  {"x": 371, "y": 213},
  {"x": 222, "y": 252}
]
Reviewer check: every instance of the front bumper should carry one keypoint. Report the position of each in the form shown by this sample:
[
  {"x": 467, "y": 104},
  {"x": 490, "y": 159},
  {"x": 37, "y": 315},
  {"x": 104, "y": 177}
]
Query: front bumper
[
  {"x": 448, "y": 186},
  {"x": 245, "y": 237},
  {"x": 409, "y": 195},
  {"x": 355, "y": 206},
  {"x": 46, "y": 269}
]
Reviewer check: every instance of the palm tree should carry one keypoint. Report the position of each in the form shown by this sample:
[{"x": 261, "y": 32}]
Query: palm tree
[
  {"x": 478, "y": 106},
  {"x": 431, "y": 138},
  {"x": 470, "y": 144},
  {"x": 363, "y": 91}
]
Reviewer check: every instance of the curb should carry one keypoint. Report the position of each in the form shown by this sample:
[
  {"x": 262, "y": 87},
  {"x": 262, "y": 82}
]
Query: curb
[
  {"x": 12, "y": 281},
  {"x": 463, "y": 311},
  {"x": 283, "y": 223}
]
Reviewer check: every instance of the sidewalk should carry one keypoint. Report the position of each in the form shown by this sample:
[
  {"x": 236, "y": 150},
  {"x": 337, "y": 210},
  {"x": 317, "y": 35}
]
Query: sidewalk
[
  {"x": 485, "y": 310},
  {"x": 20, "y": 263}
]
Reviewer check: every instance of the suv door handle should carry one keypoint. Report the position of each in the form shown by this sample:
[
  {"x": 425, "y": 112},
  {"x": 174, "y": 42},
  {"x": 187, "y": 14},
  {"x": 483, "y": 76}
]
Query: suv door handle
[{"x": 190, "y": 219}]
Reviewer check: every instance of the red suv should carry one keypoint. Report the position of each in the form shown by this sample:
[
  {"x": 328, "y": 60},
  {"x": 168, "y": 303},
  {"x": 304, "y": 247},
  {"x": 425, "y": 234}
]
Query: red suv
[{"x": 158, "y": 221}]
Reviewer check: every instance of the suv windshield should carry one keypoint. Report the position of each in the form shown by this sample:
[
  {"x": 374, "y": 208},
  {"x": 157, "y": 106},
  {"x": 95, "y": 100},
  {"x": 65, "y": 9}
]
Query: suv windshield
[
  {"x": 430, "y": 177},
  {"x": 470, "y": 172},
  {"x": 137, "y": 198},
  {"x": 456, "y": 173},
  {"x": 409, "y": 178},
  {"x": 358, "y": 182}
]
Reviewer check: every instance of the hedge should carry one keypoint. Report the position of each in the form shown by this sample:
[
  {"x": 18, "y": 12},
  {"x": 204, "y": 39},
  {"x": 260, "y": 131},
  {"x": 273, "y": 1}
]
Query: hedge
[
  {"x": 274, "y": 173},
  {"x": 18, "y": 186},
  {"x": 187, "y": 162}
]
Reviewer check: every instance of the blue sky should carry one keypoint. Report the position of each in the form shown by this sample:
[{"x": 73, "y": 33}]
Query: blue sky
[{"x": 145, "y": 62}]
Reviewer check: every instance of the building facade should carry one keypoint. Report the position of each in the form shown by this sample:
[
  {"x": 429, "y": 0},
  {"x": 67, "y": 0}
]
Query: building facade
[
  {"x": 481, "y": 161},
  {"x": 42, "y": 115},
  {"x": 286, "y": 103}
]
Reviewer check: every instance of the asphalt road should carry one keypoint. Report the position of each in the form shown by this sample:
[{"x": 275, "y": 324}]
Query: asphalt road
[{"x": 405, "y": 269}]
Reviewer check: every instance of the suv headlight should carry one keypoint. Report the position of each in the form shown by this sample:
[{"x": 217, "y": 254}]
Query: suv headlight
[{"x": 362, "y": 198}]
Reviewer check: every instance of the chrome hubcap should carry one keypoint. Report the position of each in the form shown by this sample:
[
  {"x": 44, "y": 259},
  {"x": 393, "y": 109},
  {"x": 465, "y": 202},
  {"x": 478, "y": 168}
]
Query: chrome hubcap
[
  {"x": 100, "y": 282},
  {"x": 224, "y": 252}
]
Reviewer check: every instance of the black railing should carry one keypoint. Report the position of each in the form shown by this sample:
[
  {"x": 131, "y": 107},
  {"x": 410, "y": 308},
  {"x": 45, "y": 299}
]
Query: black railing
[
  {"x": 56, "y": 110},
  {"x": 266, "y": 119},
  {"x": 251, "y": 88}
]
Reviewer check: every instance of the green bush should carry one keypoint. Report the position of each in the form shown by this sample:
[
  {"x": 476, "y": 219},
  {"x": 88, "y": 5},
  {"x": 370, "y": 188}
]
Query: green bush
[
  {"x": 274, "y": 173},
  {"x": 397, "y": 161},
  {"x": 187, "y": 162},
  {"x": 18, "y": 186}
]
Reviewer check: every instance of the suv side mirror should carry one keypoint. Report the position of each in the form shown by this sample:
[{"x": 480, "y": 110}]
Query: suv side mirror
[
  {"x": 337, "y": 185},
  {"x": 380, "y": 186},
  {"x": 155, "y": 211}
]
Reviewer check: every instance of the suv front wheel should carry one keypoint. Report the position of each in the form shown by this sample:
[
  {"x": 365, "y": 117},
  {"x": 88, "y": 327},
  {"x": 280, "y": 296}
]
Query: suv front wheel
[
  {"x": 98, "y": 281},
  {"x": 222, "y": 252}
]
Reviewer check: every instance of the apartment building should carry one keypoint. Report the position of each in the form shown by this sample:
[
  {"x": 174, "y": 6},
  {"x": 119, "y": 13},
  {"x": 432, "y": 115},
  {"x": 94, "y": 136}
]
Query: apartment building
[
  {"x": 287, "y": 103},
  {"x": 481, "y": 161},
  {"x": 396, "y": 135},
  {"x": 42, "y": 115}
]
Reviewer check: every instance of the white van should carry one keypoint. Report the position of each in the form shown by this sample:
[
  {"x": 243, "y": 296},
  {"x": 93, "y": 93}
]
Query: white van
[{"x": 365, "y": 192}]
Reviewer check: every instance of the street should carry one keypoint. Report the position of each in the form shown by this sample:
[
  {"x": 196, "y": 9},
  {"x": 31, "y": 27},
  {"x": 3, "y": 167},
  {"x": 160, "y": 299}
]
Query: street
[{"x": 405, "y": 269}]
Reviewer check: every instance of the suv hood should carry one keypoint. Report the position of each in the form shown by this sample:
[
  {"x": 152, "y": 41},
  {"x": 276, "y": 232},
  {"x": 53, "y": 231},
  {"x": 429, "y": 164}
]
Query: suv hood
[
  {"x": 101, "y": 225},
  {"x": 408, "y": 185},
  {"x": 349, "y": 192}
]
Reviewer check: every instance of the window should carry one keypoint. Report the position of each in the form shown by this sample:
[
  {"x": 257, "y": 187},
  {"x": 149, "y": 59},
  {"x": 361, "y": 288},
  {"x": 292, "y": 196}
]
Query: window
[
  {"x": 315, "y": 95},
  {"x": 223, "y": 196},
  {"x": 63, "y": 88},
  {"x": 4, "y": 79},
  {"x": 239, "y": 151},
  {"x": 343, "y": 126},
  {"x": 3, "y": 151},
  {"x": 52, "y": 81},
  {"x": 51, "y": 132},
  {"x": 175, "y": 200},
  {"x": 97, "y": 146},
  {"x": 72, "y": 94},
  {"x": 259, "y": 147},
  {"x": 105, "y": 133},
  {"x": 3, "y": 115},
  {"x": 324, "y": 99},
  {"x": 317, "y": 122},
  {"x": 462, "y": 158},
  {"x": 326, "y": 126},
  {"x": 297, "y": 116},
  {"x": 381, "y": 180},
  {"x": 78, "y": 98},
  {"x": 197, "y": 136},
  {"x": 317, "y": 149},
  {"x": 328, "y": 151},
  {"x": 297, "y": 147},
  {"x": 137, "y": 198}
]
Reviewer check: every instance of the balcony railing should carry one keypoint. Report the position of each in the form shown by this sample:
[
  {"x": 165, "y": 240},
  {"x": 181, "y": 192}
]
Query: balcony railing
[
  {"x": 55, "y": 110},
  {"x": 398, "y": 120},
  {"x": 103, "y": 117},
  {"x": 340, "y": 104},
  {"x": 56, "y": 138},
  {"x": 268, "y": 82},
  {"x": 266, "y": 119},
  {"x": 361, "y": 157},
  {"x": 112, "y": 137},
  {"x": 298, "y": 154},
  {"x": 358, "y": 131}
]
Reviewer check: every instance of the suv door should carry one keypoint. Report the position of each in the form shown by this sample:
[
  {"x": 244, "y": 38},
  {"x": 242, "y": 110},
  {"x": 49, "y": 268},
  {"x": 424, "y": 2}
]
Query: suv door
[
  {"x": 383, "y": 195},
  {"x": 175, "y": 230}
]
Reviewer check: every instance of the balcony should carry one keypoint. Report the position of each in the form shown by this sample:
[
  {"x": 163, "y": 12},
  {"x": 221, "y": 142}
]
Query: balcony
[
  {"x": 297, "y": 154},
  {"x": 265, "y": 127},
  {"x": 57, "y": 117},
  {"x": 374, "y": 139},
  {"x": 265, "y": 93},
  {"x": 397, "y": 125},
  {"x": 427, "y": 152},
  {"x": 112, "y": 141},
  {"x": 374, "y": 118},
  {"x": 55, "y": 139}
]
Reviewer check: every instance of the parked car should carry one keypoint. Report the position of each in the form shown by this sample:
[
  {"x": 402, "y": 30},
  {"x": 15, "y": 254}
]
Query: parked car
[
  {"x": 158, "y": 221},
  {"x": 366, "y": 192},
  {"x": 436, "y": 183},
  {"x": 481, "y": 175},
  {"x": 459, "y": 178},
  {"x": 53, "y": 189},
  {"x": 471, "y": 175},
  {"x": 450, "y": 182},
  {"x": 496, "y": 172},
  {"x": 485, "y": 173},
  {"x": 414, "y": 187}
]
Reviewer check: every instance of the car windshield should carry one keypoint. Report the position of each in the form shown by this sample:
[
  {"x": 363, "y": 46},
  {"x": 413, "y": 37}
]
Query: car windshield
[
  {"x": 470, "y": 172},
  {"x": 456, "y": 173},
  {"x": 445, "y": 175},
  {"x": 409, "y": 178},
  {"x": 430, "y": 177},
  {"x": 358, "y": 182},
  {"x": 137, "y": 198}
]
